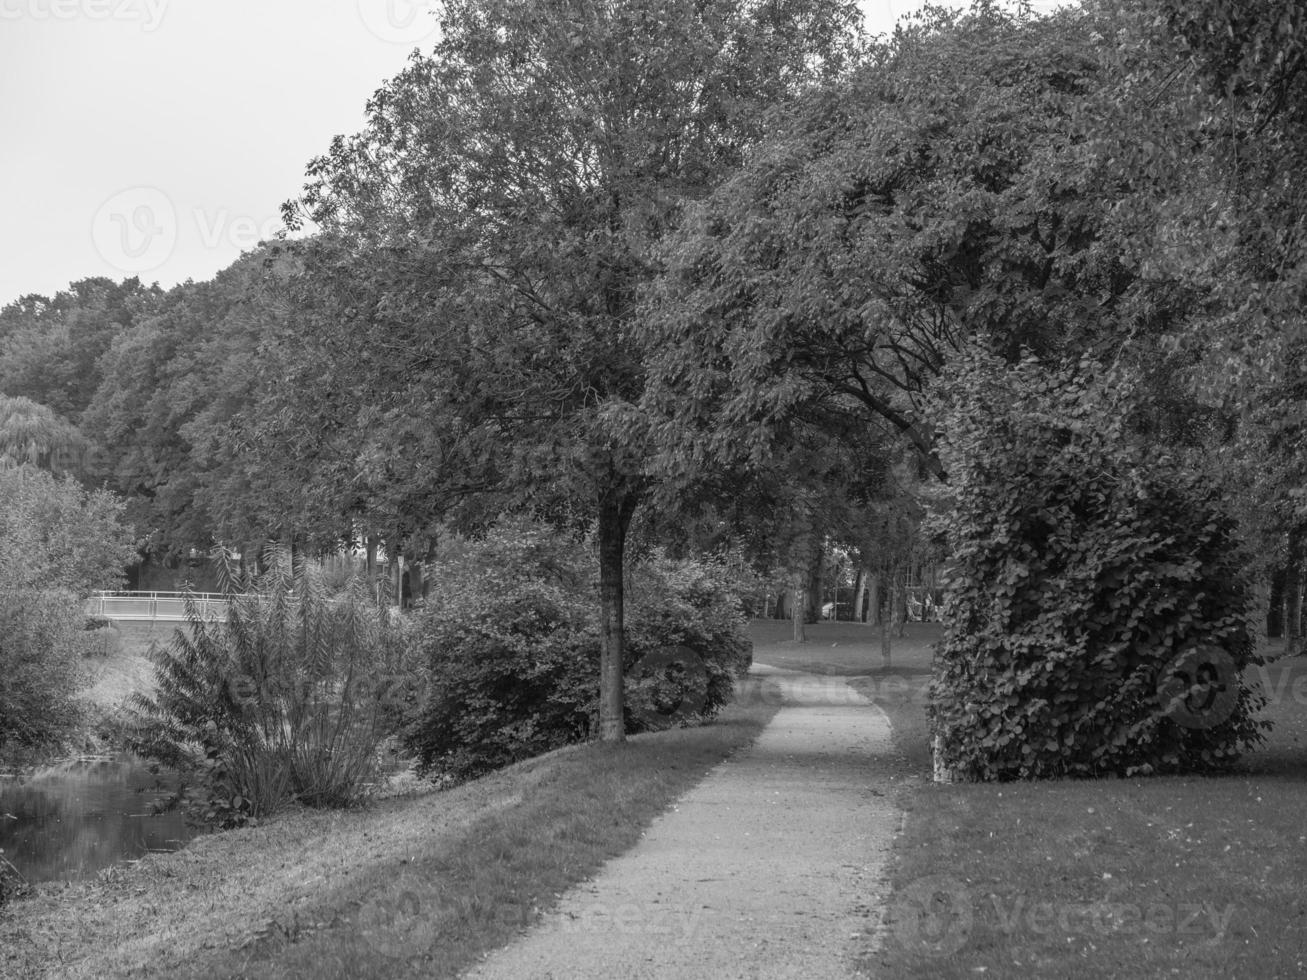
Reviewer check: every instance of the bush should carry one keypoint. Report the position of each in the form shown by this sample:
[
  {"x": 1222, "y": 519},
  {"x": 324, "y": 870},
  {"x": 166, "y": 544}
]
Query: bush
[
  {"x": 1097, "y": 618},
  {"x": 691, "y": 603},
  {"x": 39, "y": 667},
  {"x": 290, "y": 698},
  {"x": 512, "y": 640},
  {"x": 100, "y": 638},
  {"x": 512, "y": 659},
  {"x": 58, "y": 542}
]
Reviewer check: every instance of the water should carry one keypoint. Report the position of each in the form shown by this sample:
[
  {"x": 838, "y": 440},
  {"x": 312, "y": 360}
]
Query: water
[{"x": 71, "y": 820}]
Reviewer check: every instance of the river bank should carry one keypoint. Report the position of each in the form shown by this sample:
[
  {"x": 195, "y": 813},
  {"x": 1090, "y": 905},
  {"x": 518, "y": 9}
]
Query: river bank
[
  {"x": 73, "y": 808},
  {"x": 423, "y": 883},
  {"x": 433, "y": 878},
  {"x": 119, "y": 667}
]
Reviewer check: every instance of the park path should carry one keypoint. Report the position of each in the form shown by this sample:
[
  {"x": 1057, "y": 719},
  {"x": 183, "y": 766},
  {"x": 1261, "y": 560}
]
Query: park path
[{"x": 771, "y": 867}]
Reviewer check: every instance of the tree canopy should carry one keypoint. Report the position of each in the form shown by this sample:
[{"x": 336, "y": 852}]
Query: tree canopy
[
  {"x": 509, "y": 191},
  {"x": 943, "y": 193},
  {"x": 607, "y": 261}
]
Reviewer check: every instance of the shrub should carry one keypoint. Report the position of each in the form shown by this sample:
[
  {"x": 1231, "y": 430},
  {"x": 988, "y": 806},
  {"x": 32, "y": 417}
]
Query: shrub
[
  {"x": 291, "y": 697},
  {"x": 100, "y": 637},
  {"x": 39, "y": 667},
  {"x": 512, "y": 639},
  {"x": 58, "y": 542},
  {"x": 512, "y": 657},
  {"x": 1097, "y": 618},
  {"x": 693, "y": 603}
]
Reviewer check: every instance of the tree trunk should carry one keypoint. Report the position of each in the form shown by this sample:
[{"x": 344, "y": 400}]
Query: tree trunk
[
  {"x": 1293, "y": 594},
  {"x": 1275, "y": 610},
  {"x": 859, "y": 595},
  {"x": 416, "y": 582},
  {"x": 814, "y": 592},
  {"x": 616, "y": 508},
  {"x": 873, "y": 600},
  {"x": 429, "y": 559},
  {"x": 798, "y": 609},
  {"x": 885, "y": 641},
  {"x": 900, "y": 605}
]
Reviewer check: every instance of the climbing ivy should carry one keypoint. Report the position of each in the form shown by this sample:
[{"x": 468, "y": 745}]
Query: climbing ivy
[{"x": 1098, "y": 617}]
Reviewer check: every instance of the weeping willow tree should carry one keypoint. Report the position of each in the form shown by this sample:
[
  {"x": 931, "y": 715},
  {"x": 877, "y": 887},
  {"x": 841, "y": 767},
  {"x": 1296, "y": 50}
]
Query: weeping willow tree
[{"x": 33, "y": 435}]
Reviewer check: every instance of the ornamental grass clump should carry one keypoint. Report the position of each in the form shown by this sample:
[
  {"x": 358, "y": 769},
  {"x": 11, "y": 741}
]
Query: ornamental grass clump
[
  {"x": 291, "y": 698},
  {"x": 1098, "y": 611}
]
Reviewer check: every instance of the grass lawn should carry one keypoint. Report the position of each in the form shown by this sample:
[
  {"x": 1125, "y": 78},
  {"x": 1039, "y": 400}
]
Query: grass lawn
[
  {"x": 417, "y": 886},
  {"x": 126, "y": 668},
  {"x": 1162, "y": 877}
]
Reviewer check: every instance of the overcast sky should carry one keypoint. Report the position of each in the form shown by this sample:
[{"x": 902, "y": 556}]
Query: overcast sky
[{"x": 159, "y": 137}]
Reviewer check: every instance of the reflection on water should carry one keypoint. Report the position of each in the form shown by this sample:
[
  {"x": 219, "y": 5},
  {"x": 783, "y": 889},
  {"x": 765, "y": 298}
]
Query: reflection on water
[{"x": 71, "y": 820}]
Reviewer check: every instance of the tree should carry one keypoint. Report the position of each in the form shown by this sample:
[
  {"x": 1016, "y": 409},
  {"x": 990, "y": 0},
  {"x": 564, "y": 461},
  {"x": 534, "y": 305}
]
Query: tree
[
  {"x": 1254, "y": 54},
  {"x": 50, "y": 348},
  {"x": 970, "y": 188},
  {"x": 509, "y": 190},
  {"x": 347, "y": 419},
  {"x": 1227, "y": 248},
  {"x": 170, "y": 387},
  {"x": 58, "y": 543},
  {"x": 889, "y": 539},
  {"x": 949, "y": 189},
  {"x": 31, "y": 434}
]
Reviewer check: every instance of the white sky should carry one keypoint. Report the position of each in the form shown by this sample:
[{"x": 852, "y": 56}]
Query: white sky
[{"x": 159, "y": 137}]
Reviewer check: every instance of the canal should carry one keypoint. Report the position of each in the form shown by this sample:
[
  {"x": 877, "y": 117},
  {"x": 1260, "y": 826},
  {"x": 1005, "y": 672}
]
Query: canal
[{"x": 73, "y": 819}]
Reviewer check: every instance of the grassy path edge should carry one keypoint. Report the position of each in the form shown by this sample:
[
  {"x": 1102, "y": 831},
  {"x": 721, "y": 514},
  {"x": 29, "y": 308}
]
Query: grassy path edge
[{"x": 412, "y": 886}]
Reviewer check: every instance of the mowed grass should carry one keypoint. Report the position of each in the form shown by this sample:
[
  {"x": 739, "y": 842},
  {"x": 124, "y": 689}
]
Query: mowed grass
[
  {"x": 1167, "y": 877},
  {"x": 1164, "y": 877},
  {"x": 418, "y": 886}
]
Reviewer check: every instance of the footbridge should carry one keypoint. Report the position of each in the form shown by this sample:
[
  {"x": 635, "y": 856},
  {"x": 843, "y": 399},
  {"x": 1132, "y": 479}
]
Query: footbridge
[{"x": 155, "y": 607}]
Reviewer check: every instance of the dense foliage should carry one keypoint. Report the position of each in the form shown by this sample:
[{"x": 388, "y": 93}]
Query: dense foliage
[
  {"x": 51, "y": 347},
  {"x": 58, "y": 543},
  {"x": 289, "y": 698},
  {"x": 500, "y": 212},
  {"x": 696, "y": 606},
  {"x": 1089, "y": 576},
  {"x": 512, "y": 642},
  {"x": 33, "y": 435},
  {"x": 941, "y": 189},
  {"x": 597, "y": 262}
]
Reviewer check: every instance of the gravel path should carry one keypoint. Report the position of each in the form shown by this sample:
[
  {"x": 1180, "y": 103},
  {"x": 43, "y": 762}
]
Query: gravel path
[{"x": 771, "y": 867}]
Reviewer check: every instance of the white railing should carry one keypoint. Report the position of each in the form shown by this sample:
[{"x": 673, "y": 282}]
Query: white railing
[{"x": 168, "y": 607}]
